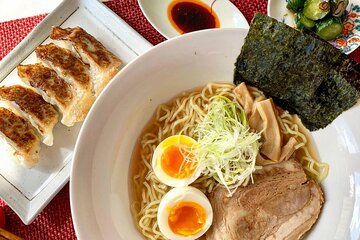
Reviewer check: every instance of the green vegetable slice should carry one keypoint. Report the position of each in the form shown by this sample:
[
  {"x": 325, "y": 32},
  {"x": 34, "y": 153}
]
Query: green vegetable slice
[
  {"x": 298, "y": 23},
  {"x": 329, "y": 28},
  {"x": 308, "y": 23},
  {"x": 295, "y": 5},
  {"x": 316, "y": 9}
]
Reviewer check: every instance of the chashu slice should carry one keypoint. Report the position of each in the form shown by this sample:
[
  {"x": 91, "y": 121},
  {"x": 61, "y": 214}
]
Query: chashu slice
[
  {"x": 103, "y": 64},
  {"x": 72, "y": 70},
  {"x": 34, "y": 108},
  {"x": 18, "y": 133},
  {"x": 281, "y": 204},
  {"x": 54, "y": 90}
]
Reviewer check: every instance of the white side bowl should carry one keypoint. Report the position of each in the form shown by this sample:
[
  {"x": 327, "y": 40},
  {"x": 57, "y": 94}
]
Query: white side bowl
[
  {"x": 99, "y": 178},
  {"x": 155, "y": 12}
]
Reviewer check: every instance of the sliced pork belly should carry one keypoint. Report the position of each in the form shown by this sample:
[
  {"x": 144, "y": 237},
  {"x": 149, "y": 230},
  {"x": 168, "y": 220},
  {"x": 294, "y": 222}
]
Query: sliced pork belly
[
  {"x": 34, "y": 108},
  {"x": 103, "y": 64},
  {"x": 54, "y": 90},
  {"x": 18, "y": 133},
  {"x": 281, "y": 204},
  {"x": 72, "y": 70}
]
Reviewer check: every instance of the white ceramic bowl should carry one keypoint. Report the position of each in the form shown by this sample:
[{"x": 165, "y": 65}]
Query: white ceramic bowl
[
  {"x": 99, "y": 177},
  {"x": 155, "y": 12}
]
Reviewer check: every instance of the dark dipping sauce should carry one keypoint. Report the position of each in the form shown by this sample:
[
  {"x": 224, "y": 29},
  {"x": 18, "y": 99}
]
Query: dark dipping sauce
[{"x": 188, "y": 16}]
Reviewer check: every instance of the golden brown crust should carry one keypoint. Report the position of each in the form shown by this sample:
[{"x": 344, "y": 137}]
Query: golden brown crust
[
  {"x": 64, "y": 61},
  {"x": 46, "y": 79},
  {"x": 31, "y": 103},
  {"x": 75, "y": 73},
  {"x": 17, "y": 130},
  {"x": 103, "y": 64},
  {"x": 20, "y": 133},
  {"x": 84, "y": 42}
]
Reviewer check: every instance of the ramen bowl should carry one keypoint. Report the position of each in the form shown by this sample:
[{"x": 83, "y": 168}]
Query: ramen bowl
[{"x": 99, "y": 183}]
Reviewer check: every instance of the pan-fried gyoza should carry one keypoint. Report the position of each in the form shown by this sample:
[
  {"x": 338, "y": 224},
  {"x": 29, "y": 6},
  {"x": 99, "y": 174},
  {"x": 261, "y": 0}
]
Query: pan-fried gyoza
[{"x": 64, "y": 81}]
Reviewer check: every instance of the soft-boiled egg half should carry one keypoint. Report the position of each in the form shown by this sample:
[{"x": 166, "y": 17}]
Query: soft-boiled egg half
[
  {"x": 184, "y": 213},
  {"x": 174, "y": 161}
]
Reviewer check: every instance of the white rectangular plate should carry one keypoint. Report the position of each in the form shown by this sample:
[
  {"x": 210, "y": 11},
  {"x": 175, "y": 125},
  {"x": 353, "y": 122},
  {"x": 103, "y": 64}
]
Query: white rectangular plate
[{"x": 27, "y": 191}]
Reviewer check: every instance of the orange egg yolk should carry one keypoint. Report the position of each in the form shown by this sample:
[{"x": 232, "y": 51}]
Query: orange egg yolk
[
  {"x": 187, "y": 218},
  {"x": 172, "y": 162}
]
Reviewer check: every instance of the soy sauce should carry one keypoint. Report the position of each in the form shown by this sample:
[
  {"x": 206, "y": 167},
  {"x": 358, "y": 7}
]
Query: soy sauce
[{"x": 191, "y": 15}]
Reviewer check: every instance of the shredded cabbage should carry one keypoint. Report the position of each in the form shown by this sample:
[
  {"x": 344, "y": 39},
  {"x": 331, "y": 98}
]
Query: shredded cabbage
[{"x": 227, "y": 148}]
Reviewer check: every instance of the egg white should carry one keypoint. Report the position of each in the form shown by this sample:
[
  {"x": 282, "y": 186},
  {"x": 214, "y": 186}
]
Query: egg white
[
  {"x": 161, "y": 174},
  {"x": 182, "y": 194}
]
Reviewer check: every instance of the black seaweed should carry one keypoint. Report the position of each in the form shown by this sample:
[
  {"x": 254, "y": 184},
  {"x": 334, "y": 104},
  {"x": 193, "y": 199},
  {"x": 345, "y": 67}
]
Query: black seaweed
[
  {"x": 350, "y": 70},
  {"x": 303, "y": 74}
]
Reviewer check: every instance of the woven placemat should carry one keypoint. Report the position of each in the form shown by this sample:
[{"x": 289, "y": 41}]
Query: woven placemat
[
  {"x": 12, "y": 32},
  {"x": 55, "y": 221}
]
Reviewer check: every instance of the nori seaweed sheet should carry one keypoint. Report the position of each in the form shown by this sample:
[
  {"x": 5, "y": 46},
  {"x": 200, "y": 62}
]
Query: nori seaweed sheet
[
  {"x": 350, "y": 70},
  {"x": 302, "y": 74}
]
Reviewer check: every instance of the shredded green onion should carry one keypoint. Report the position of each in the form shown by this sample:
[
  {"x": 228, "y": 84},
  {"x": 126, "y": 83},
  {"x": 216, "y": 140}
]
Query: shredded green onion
[{"x": 227, "y": 148}]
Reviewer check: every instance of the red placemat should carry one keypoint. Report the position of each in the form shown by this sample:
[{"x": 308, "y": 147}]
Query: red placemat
[
  {"x": 12, "y": 32},
  {"x": 55, "y": 221}
]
